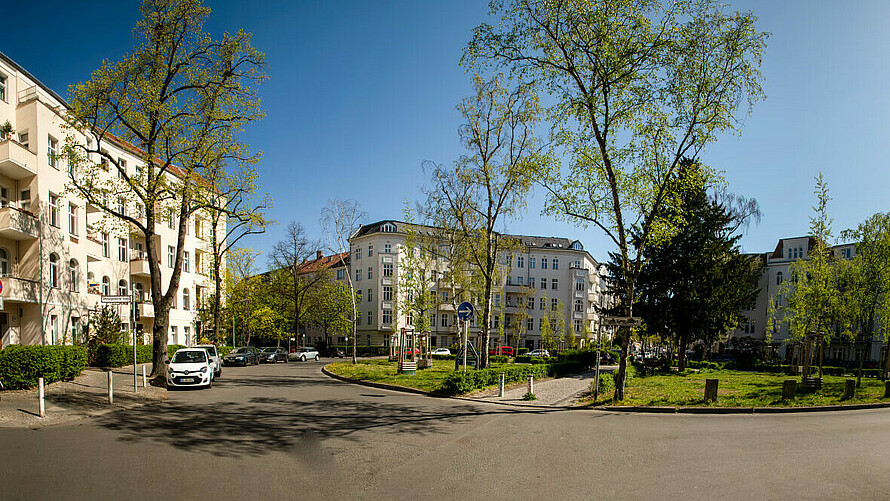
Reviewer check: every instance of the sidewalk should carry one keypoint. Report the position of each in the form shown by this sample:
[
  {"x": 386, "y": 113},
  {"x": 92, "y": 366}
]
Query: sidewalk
[
  {"x": 86, "y": 395},
  {"x": 557, "y": 392}
]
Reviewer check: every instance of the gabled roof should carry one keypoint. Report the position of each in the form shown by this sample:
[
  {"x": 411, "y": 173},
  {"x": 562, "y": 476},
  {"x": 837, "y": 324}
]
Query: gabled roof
[{"x": 322, "y": 262}]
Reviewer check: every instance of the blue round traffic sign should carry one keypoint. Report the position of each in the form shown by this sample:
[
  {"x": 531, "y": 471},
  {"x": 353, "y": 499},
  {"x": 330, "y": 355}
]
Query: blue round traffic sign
[{"x": 465, "y": 311}]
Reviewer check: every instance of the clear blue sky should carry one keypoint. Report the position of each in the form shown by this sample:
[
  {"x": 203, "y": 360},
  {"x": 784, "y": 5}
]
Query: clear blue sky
[{"x": 361, "y": 93}]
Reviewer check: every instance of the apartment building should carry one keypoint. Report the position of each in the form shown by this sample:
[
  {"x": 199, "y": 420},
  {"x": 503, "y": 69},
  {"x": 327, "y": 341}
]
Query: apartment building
[
  {"x": 755, "y": 322},
  {"x": 56, "y": 258},
  {"x": 548, "y": 273}
]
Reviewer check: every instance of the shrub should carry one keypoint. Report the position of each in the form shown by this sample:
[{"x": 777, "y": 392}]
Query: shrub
[
  {"x": 522, "y": 351},
  {"x": 365, "y": 351},
  {"x": 21, "y": 366},
  {"x": 464, "y": 382},
  {"x": 499, "y": 359},
  {"x": 529, "y": 396},
  {"x": 444, "y": 357},
  {"x": 607, "y": 383}
]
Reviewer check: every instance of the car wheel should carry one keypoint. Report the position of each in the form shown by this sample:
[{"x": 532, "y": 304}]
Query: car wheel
[
  {"x": 316, "y": 358},
  {"x": 303, "y": 358},
  {"x": 219, "y": 374}
]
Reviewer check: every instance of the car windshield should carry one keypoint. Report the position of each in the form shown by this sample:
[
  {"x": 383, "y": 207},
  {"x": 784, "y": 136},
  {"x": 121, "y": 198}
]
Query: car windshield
[
  {"x": 189, "y": 357},
  {"x": 269, "y": 350},
  {"x": 238, "y": 351}
]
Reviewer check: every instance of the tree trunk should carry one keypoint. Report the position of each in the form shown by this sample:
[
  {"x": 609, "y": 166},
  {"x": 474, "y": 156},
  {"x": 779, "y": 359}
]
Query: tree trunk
[
  {"x": 681, "y": 351},
  {"x": 624, "y": 344},
  {"x": 486, "y": 320}
]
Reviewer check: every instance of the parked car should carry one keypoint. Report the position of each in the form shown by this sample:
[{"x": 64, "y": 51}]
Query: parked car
[
  {"x": 214, "y": 358},
  {"x": 272, "y": 354},
  {"x": 335, "y": 353},
  {"x": 538, "y": 353},
  {"x": 503, "y": 350},
  {"x": 606, "y": 358},
  {"x": 303, "y": 354},
  {"x": 244, "y": 355},
  {"x": 407, "y": 351},
  {"x": 441, "y": 351},
  {"x": 190, "y": 367}
]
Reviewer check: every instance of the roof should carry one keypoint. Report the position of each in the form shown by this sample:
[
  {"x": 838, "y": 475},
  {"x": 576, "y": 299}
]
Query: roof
[{"x": 322, "y": 262}]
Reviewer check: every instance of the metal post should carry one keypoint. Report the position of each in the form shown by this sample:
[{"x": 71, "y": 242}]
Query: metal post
[
  {"x": 110, "y": 388},
  {"x": 144, "y": 378},
  {"x": 466, "y": 332},
  {"x": 133, "y": 330},
  {"x": 531, "y": 385},
  {"x": 41, "y": 407},
  {"x": 501, "y": 384},
  {"x": 596, "y": 378}
]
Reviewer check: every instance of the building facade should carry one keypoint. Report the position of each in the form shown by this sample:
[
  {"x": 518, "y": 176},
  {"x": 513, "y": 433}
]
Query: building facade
[
  {"x": 547, "y": 274},
  {"x": 58, "y": 256}
]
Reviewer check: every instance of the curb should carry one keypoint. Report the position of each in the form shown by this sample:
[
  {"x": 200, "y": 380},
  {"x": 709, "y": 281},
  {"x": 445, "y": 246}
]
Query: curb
[{"x": 384, "y": 386}]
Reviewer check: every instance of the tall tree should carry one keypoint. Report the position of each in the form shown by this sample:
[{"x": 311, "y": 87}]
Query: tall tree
[
  {"x": 291, "y": 283},
  {"x": 180, "y": 98},
  {"x": 331, "y": 307},
  {"x": 340, "y": 220},
  {"x": 867, "y": 295},
  {"x": 637, "y": 85},
  {"x": 695, "y": 285},
  {"x": 492, "y": 181}
]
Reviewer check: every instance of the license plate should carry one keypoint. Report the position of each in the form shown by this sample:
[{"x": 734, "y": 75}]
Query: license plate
[{"x": 187, "y": 379}]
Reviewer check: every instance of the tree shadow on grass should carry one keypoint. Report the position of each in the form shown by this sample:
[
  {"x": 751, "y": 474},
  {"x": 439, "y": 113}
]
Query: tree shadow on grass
[{"x": 263, "y": 425}]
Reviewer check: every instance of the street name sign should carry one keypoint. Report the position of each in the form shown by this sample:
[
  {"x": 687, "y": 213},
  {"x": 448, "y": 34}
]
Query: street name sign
[
  {"x": 622, "y": 321},
  {"x": 115, "y": 299}
]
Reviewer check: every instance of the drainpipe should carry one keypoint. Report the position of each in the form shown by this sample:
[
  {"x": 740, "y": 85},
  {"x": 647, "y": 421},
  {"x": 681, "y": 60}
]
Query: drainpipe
[{"x": 40, "y": 280}]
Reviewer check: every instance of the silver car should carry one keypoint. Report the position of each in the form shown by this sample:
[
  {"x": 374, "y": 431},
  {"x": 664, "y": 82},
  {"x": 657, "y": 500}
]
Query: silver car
[
  {"x": 215, "y": 359},
  {"x": 304, "y": 354}
]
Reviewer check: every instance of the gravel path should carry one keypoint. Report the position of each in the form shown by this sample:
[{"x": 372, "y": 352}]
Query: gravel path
[
  {"x": 558, "y": 392},
  {"x": 86, "y": 395}
]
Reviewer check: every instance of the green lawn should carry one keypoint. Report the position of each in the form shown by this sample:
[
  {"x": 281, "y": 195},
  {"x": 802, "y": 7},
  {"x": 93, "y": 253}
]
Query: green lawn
[
  {"x": 738, "y": 389},
  {"x": 384, "y": 371}
]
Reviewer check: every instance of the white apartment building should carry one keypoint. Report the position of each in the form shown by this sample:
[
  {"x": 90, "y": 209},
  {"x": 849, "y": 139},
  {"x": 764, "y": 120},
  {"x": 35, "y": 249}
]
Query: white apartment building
[
  {"x": 755, "y": 322},
  {"x": 55, "y": 261},
  {"x": 556, "y": 271}
]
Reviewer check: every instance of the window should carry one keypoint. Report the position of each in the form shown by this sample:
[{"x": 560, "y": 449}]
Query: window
[
  {"x": 554, "y": 303},
  {"x": 779, "y": 278},
  {"x": 578, "y": 305},
  {"x": 542, "y": 304},
  {"x": 497, "y": 300},
  {"x": 509, "y": 260},
  {"x": 170, "y": 218},
  {"x": 370, "y": 318},
  {"x": 103, "y": 238},
  {"x": 555, "y": 263},
  {"x": 72, "y": 219},
  {"x": 186, "y": 334},
  {"x": 541, "y": 324},
  {"x": 106, "y": 286},
  {"x": 531, "y": 303},
  {"x": 370, "y": 273},
  {"x": 4, "y": 263},
  {"x": 173, "y": 334},
  {"x": 53, "y": 328},
  {"x": 121, "y": 206},
  {"x": 579, "y": 284},
  {"x": 370, "y": 251},
  {"x": 444, "y": 321},
  {"x": 531, "y": 263},
  {"x": 72, "y": 275},
  {"x": 54, "y": 210},
  {"x": 341, "y": 274},
  {"x": 388, "y": 228},
  {"x": 185, "y": 262},
  {"x": 387, "y": 248},
  {"x": 444, "y": 295},
  {"x": 122, "y": 288},
  {"x": 576, "y": 245},
  {"x": 2, "y": 88},
  {"x": 171, "y": 256},
  {"x": 509, "y": 280},
  {"x": 387, "y": 317},
  {"x": 575, "y": 264},
  {"x": 369, "y": 295},
  {"x": 531, "y": 282},
  {"x": 519, "y": 280},
  {"x": 186, "y": 299},
  {"x": 543, "y": 263},
  {"x": 530, "y": 324},
  {"x": 520, "y": 262},
  {"x": 52, "y": 151},
  {"x": 387, "y": 293},
  {"x": 173, "y": 302},
  {"x": 358, "y": 275},
  {"x": 543, "y": 283},
  {"x": 53, "y": 270},
  {"x": 122, "y": 249},
  {"x": 387, "y": 269},
  {"x": 554, "y": 282},
  {"x": 358, "y": 253},
  {"x": 577, "y": 326}
]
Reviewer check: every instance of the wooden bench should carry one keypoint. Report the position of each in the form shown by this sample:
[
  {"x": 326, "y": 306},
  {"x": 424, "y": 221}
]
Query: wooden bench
[{"x": 408, "y": 367}]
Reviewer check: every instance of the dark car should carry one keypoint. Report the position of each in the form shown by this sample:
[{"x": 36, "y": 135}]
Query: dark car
[
  {"x": 272, "y": 355},
  {"x": 244, "y": 355},
  {"x": 335, "y": 353}
]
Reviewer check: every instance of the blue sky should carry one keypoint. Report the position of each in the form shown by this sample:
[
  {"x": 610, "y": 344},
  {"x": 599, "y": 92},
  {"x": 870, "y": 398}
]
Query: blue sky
[{"x": 361, "y": 93}]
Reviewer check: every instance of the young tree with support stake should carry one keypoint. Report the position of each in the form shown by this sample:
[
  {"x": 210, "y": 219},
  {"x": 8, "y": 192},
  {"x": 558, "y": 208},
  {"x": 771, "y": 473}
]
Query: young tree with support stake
[
  {"x": 180, "y": 98},
  {"x": 639, "y": 85}
]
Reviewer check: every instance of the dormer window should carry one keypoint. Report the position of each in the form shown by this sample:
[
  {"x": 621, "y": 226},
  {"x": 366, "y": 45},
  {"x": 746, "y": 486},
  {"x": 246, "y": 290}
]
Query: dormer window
[
  {"x": 388, "y": 228},
  {"x": 576, "y": 245}
]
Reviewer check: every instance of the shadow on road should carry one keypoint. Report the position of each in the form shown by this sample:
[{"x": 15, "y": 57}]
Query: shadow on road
[{"x": 264, "y": 425}]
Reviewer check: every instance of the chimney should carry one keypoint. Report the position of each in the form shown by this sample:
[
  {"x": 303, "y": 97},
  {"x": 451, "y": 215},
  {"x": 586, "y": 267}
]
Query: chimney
[{"x": 318, "y": 254}]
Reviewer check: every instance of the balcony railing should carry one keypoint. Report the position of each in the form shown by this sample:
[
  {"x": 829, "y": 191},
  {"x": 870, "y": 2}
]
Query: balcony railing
[
  {"x": 16, "y": 224},
  {"x": 19, "y": 289},
  {"x": 139, "y": 266},
  {"x": 17, "y": 161}
]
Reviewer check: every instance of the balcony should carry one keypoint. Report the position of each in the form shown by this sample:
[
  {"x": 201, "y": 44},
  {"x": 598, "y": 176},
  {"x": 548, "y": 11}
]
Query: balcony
[
  {"x": 16, "y": 161},
  {"x": 139, "y": 267},
  {"x": 19, "y": 290},
  {"x": 146, "y": 310},
  {"x": 16, "y": 224}
]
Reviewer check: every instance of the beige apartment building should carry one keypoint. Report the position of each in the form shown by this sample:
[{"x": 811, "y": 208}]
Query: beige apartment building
[
  {"x": 545, "y": 272},
  {"x": 57, "y": 257}
]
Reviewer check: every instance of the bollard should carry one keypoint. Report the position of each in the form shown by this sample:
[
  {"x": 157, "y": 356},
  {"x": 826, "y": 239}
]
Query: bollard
[
  {"x": 144, "y": 378},
  {"x": 886, "y": 389},
  {"x": 110, "y": 388},
  {"x": 789, "y": 389},
  {"x": 711, "y": 389},
  {"x": 849, "y": 389},
  {"x": 531, "y": 385},
  {"x": 41, "y": 406},
  {"x": 501, "y": 378}
]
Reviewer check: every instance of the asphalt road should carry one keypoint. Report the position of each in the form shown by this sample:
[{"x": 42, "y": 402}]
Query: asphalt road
[{"x": 289, "y": 432}]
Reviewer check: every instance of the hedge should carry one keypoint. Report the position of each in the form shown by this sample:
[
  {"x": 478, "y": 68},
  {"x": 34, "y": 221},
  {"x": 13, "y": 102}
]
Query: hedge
[
  {"x": 365, "y": 351},
  {"x": 119, "y": 355},
  {"x": 21, "y": 366},
  {"x": 459, "y": 383}
]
